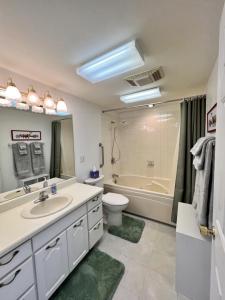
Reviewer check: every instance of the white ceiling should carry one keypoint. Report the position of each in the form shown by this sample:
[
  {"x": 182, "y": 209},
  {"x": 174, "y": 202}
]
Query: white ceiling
[{"x": 47, "y": 40}]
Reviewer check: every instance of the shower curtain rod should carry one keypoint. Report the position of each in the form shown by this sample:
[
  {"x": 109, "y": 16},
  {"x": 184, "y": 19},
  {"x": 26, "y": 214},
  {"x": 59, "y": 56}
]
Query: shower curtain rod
[{"x": 142, "y": 105}]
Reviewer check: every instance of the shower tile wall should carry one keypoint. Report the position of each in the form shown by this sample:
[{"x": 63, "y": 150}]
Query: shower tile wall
[
  {"x": 144, "y": 135},
  {"x": 150, "y": 135}
]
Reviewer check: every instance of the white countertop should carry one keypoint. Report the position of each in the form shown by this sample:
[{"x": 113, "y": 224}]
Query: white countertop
[{"x": 14, "y": 229}]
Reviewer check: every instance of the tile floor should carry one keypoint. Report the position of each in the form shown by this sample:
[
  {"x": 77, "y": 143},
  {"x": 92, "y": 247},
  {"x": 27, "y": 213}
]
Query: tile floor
[{"x": 149, "y": 264}]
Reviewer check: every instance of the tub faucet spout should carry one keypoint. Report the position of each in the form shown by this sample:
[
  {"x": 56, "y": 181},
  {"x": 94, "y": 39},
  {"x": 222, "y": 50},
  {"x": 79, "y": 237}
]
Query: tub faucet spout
[{"x": 115, "y": 176}]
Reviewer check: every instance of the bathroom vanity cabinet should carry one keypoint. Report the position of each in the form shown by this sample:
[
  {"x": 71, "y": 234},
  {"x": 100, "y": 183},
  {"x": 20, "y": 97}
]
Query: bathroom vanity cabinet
[{"x": 35, "y": 269}]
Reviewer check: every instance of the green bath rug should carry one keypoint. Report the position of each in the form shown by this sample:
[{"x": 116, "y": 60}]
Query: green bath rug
[
  {"x": 130, "y": 230},
  {"x": 96, "y": 278}
]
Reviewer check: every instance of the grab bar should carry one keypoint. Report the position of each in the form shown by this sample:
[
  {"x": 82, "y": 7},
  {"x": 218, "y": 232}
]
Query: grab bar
[{"x": 103, "y": 158}]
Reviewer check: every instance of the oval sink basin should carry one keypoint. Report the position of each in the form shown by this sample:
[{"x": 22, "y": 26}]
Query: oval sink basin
[{"x": 47, "y": 207}]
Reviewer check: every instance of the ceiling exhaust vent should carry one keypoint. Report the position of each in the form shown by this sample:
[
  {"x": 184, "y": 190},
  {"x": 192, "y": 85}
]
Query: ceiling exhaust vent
[{"x": 145, "y": 78}]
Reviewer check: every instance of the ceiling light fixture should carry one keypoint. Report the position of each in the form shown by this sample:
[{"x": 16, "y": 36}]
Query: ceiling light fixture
[
  {"x": 115, "y": 62},
  {"x": 12, "y": 91},
  {"x": 61, "y": 106},
  {"x": 141, "y": 96},
  {"x": 32, "y": 97},
  {"x": 49, "y": 103}
]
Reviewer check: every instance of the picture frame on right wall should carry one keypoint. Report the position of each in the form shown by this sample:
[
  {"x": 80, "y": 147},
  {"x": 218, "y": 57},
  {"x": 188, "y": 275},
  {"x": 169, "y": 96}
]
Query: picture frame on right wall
[{"x": 211, "y": 119}]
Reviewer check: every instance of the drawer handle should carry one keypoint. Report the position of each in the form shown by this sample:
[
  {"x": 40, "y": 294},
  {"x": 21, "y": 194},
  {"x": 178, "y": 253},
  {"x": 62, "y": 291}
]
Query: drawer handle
[
  {"x": 96, "y": 209},
  {"x": 97, "y": 227},
  {"x": 79, "y": 224},
  {"x": 7, "y": 262},
  {"x": 2, "y": 284},
  {"x": 52, "y": 246},
  {"x": 95, "y": 199}
]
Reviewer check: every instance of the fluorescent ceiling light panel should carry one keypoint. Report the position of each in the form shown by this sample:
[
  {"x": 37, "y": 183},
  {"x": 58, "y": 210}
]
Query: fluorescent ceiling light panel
[
  {"x": 118, "y": 61},
  {"x": 141, "y": 96}
]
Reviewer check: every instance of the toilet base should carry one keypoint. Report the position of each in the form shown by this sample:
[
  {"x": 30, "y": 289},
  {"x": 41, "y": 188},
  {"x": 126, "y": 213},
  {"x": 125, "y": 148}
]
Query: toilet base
[{"x": 114, "y": 218}]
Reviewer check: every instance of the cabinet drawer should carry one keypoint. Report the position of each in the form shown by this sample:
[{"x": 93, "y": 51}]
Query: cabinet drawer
[
  {"x": 17, "y": 282},
  {"x": 95, "y": 215},
  {"x": 15, "y": 257},
  {"x": 94, "y": 201},
  {"x": 29, "y": 295},
  {"x": 95, "y": 233},
  {"x": 46, "y": 235}
]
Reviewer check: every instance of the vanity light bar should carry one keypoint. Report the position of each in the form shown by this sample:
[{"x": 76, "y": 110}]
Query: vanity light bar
[
  {"x": 10, "y": 96},
  {"x": 115, "y": 62},
  {"x": 141, "y": 96}
]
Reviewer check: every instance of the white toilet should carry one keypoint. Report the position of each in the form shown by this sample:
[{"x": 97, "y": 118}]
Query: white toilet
[{"x": 113, "y": 205}]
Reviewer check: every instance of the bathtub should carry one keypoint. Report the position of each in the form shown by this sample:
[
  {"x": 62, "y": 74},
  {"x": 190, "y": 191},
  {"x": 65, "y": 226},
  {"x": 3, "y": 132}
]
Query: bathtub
[{"x": 149, "y": 197}]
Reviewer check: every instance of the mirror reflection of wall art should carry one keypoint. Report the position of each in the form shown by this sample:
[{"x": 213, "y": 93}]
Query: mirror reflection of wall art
[
  {"x": 211, "y": 119},
  {"x": 25, "y": 135}
]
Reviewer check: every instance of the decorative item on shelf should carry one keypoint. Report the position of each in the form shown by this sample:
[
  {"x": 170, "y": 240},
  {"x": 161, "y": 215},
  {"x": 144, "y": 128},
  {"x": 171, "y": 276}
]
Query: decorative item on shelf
[
  {"x": 49, "y": 111},
  {"x": 61, "y": 106},
  {"x": 49, "y": 102},
  {"x": 12, "y": 91},
  {"x": 25, "y": 135},
  {"x": 5, "y": 102},
  {"x": 22, "y": 105},
  {"x": 32, "y": 97},
  {"x": 38, "y": 108},
  {"x": 211, "y": 119}
]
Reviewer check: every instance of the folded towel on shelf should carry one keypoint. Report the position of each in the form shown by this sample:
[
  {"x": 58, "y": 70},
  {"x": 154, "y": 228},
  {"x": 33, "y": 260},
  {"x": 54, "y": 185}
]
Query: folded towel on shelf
[
  {"x": 22, "y": 160},
  {"x": 37, "y": 158},
  {"x": 204, "y": 183}
]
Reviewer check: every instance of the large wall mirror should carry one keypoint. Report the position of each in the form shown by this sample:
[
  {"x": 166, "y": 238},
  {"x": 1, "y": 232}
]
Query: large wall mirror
[{"x": 34, "y": 147}]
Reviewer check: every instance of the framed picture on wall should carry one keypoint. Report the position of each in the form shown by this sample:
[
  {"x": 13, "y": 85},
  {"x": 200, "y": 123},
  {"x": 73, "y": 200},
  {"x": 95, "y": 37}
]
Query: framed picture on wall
[
  {"x": 25, "y": 135},
  {"x": 211, "y": 119}
]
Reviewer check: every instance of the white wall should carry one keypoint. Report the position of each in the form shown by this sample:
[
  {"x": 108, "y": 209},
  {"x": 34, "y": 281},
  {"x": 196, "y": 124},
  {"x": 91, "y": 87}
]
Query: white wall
[
  {"x": 86, "y": 122},
  {"x": 211, "y": 91},
  {"x": 20, "y": 120}
]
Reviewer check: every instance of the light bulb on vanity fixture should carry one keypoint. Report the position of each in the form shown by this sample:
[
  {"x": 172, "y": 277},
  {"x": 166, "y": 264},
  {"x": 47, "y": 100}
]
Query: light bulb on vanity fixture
[
  {"x": 49, "y": 102},
  {"x": 150, "y": 105},
  {"x": 61, "y": 106},
  {"x": 12, "y": 91},
  {"x": 32, "y": 97}
]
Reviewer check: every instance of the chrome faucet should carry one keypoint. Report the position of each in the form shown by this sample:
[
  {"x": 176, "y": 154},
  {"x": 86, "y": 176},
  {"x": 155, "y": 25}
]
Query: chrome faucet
[
  {"x": 42, "y": 197},
  {"x": 115, "y": 176},
  {"x": 27, "y": 189}
]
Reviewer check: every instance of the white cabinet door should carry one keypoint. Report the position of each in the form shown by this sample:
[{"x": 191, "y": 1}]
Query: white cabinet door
[
  {"x": 51, "y": 266},
  {"x": 77, "y": 237}
]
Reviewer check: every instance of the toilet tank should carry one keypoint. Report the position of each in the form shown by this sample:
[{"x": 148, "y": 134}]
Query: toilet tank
[{"x": 95, "y": 181}]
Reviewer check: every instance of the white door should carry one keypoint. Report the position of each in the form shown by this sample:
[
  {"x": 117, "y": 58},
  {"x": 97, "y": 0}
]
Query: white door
[
  {"x": 51, "y": 266},
  {"x": 218, "y": 245},
  {"x": 77, "y": 237}
]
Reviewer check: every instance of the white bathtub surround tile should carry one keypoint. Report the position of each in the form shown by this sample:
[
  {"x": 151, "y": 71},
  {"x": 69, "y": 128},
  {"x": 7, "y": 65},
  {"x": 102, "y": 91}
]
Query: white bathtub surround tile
[{"x": 149, "y": 264}]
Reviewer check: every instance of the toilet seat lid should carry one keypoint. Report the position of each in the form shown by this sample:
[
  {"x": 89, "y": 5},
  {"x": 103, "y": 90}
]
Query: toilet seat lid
[{"x": 115, "y": 199}]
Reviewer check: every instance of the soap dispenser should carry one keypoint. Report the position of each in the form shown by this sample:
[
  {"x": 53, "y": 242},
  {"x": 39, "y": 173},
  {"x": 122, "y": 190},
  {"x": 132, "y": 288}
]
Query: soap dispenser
[{"x": 45, "y": 183}]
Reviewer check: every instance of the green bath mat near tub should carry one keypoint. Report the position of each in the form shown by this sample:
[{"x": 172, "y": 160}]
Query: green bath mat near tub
[
  {"x": 96, "y": 278},
  {"x": 130, "y": 230}
]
